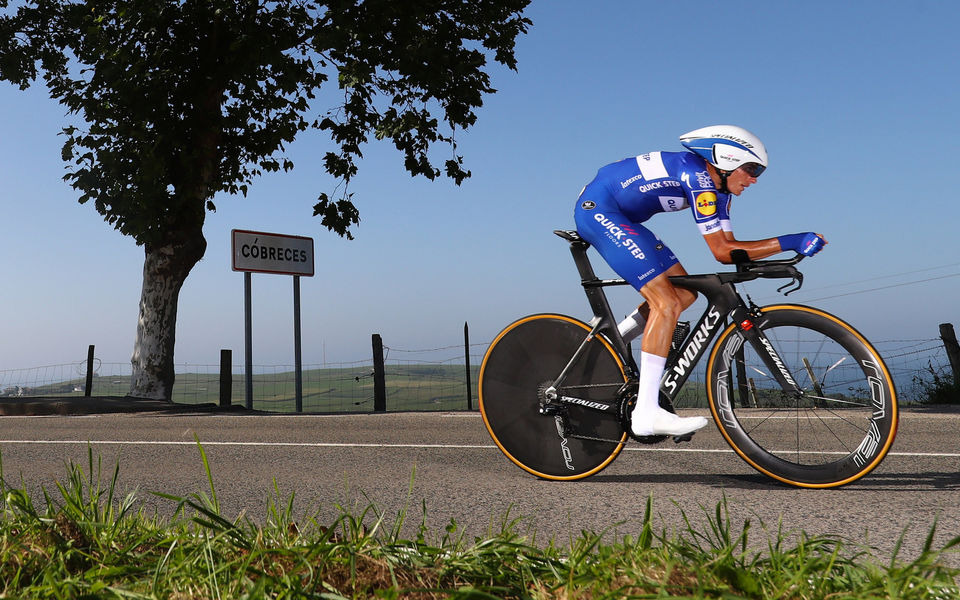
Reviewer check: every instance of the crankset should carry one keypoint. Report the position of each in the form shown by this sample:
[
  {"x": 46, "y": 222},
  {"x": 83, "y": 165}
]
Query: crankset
[
  {"x": 559, "y": 412},
  {"x": 550, "y": 406}
]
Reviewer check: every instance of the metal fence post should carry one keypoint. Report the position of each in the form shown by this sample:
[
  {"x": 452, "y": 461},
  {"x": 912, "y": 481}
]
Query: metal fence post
[
  {"x": 379, "y": 377},
  {"x": 248, "y": 340},
  {"x": 88, "y": 389},
  {"x": 226, "y": 377},
  {"x": 298, "y": 360},
  {"x": 466, "y": 360}
]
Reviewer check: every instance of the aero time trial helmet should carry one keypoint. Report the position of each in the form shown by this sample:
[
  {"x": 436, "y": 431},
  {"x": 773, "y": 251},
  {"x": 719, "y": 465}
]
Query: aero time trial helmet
[{"x": 728, "y": 147}]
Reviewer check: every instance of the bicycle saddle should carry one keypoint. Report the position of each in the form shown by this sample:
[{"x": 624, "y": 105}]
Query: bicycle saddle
[{"x": 570, "y": 235}]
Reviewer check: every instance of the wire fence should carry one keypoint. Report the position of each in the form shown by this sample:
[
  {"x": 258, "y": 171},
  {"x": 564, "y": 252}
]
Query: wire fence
[{"x": 425, "y": 380}]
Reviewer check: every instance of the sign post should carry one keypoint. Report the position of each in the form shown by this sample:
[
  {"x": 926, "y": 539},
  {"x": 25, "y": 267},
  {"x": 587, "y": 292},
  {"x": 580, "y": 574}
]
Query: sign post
[{"x": 280, "y": 254}]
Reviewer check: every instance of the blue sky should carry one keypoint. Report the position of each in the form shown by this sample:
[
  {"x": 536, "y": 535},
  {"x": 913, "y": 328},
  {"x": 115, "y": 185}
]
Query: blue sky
[{"x": 856, "y": 102}]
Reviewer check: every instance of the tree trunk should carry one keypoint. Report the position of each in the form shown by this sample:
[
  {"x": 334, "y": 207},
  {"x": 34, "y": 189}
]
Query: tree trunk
[
  {"x": 165, "y": 268},
  {"x": 167, "y": 262}
]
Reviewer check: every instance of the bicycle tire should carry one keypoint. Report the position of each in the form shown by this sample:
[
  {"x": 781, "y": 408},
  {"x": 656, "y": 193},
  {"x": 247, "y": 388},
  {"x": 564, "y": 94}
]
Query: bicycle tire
[
  {"x": 528, "y": 354},
  {"x": 837, "y": 431}
]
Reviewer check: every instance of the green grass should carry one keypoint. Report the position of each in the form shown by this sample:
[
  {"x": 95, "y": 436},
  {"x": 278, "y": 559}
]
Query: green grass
[
  {"x": 937, "y": 387},
  {"x": 85, "y": 539}
]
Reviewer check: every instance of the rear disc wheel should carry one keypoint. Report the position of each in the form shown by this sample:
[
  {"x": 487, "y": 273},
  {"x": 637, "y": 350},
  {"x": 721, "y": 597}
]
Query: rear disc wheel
[{"x": 522, "y": 362}]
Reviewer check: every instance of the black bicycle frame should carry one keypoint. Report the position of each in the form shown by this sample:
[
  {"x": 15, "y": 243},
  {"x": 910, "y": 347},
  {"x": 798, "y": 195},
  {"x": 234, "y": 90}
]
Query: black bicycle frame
[{"x": 722, "y": 301}]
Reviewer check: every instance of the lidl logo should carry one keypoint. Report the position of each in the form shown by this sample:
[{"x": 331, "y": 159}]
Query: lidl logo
[{"x": 707, "y": 203}]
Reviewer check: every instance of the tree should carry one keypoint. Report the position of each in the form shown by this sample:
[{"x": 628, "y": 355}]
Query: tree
[{"x": 181, "y": 100}]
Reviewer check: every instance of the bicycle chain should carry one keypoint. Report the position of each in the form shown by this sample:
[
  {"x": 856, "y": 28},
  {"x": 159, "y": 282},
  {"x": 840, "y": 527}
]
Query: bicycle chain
[
  {"x": 589, "y": 385},
  {"x": 596, "y": 439},
  {"x": 647, "y": 440}
]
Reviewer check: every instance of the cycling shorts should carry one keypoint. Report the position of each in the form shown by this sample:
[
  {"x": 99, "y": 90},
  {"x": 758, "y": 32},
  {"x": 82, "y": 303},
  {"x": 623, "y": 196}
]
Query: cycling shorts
[{"x": 632, "y": 251}]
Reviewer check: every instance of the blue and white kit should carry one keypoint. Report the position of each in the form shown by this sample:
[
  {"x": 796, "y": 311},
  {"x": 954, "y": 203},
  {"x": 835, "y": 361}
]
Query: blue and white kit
[{"x": 626, "y": 193}]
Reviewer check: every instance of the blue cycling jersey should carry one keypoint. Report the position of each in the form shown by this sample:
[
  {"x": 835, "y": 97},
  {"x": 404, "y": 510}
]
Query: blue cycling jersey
[
  {"x": 658, "y": 182},
  {"x": 628, "y": 192}
]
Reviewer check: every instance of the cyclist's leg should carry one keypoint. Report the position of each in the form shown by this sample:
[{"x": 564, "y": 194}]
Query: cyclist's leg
[
  {"x": 666, "y": 303},
  {"x": 644, "y": 261}
]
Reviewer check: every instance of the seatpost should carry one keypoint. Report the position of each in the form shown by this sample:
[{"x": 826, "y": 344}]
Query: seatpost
[
  {"x": 604, "y": 321},
  {"x": 578, "y": 248}
]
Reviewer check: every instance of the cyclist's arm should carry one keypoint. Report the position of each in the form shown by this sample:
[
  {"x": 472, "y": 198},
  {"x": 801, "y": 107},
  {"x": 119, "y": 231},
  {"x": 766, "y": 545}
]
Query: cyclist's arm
[{"x": 722, "y": 243}]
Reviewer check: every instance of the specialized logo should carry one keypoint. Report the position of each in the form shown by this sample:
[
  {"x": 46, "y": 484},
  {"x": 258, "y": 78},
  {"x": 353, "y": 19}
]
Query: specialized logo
[
  {"x": 707, "y": 204},
  {"x": 588, "y": 205},
  {"x": 734, "y": 139},
  {"x": 587, "y": 403},
  {"x": 779, "y": 363}
]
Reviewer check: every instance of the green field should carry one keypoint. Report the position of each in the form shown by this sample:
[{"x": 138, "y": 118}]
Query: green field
[{"x": 341, "y": 389}]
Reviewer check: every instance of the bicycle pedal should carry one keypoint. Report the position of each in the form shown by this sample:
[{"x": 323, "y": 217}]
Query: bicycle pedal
[{"x": 682, "y": 438}]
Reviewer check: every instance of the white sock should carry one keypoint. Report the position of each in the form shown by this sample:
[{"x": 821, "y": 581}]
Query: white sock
[
  {"x": 647, "y": 416},
  {"x": 648, "y": 393},
  {"x": 632, "y": 326}
]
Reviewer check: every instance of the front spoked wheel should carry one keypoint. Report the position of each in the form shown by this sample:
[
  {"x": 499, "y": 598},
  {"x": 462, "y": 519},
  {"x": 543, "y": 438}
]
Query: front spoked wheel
[
  {"x": 570, "y": 441},
  {"x": 836, "y": 430}
]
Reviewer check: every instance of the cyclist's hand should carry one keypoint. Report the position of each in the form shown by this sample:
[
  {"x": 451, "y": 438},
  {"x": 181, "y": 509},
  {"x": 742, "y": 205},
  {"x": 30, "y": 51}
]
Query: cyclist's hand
[{"x": 807, "y": 244}]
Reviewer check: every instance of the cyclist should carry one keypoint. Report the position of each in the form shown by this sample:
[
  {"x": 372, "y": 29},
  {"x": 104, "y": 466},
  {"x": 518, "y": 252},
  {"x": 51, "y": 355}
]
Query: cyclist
[{"x": 721, "y": 161}]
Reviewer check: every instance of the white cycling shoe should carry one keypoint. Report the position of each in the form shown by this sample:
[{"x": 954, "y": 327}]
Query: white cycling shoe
[{"x": 663, "y": 422}]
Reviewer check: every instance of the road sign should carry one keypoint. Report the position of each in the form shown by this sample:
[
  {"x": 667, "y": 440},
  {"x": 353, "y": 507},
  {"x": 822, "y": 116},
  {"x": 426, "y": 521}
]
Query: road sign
[{"x": 259, "y": 252}]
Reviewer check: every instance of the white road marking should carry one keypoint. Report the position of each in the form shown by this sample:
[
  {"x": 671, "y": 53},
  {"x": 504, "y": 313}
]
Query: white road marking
[{"x": 410, "y": 446}]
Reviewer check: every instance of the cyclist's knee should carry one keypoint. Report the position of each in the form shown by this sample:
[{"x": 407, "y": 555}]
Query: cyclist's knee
[
  {"x": 669, "y": 306},
  {"x": 664, "y": 297}
]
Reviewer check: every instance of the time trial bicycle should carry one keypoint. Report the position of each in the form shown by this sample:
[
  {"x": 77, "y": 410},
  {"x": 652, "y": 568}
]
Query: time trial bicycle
[{"x": 799, "y": 394}]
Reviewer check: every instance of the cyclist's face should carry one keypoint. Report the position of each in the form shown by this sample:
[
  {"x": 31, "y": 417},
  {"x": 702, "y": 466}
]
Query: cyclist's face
[{"x": 739, "y": 180}]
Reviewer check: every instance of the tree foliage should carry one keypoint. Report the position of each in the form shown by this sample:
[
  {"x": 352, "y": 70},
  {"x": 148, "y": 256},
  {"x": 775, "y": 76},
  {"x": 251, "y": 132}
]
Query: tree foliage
[
  {"x": 177, "y": 101},
  {"x": 182, "y": 100}
]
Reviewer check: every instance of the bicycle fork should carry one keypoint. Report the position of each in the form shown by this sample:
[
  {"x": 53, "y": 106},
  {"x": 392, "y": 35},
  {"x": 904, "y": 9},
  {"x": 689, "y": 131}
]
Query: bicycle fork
[{"x": 747, "y": 327}]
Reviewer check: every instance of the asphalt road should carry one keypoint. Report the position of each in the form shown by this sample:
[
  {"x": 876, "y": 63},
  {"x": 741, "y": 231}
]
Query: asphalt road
[{"x": 443, "y": 466}]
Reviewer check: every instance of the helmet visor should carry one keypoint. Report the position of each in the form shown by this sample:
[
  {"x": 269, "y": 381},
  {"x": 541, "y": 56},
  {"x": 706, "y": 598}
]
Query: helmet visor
[{"x": 753, "y": 169}]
